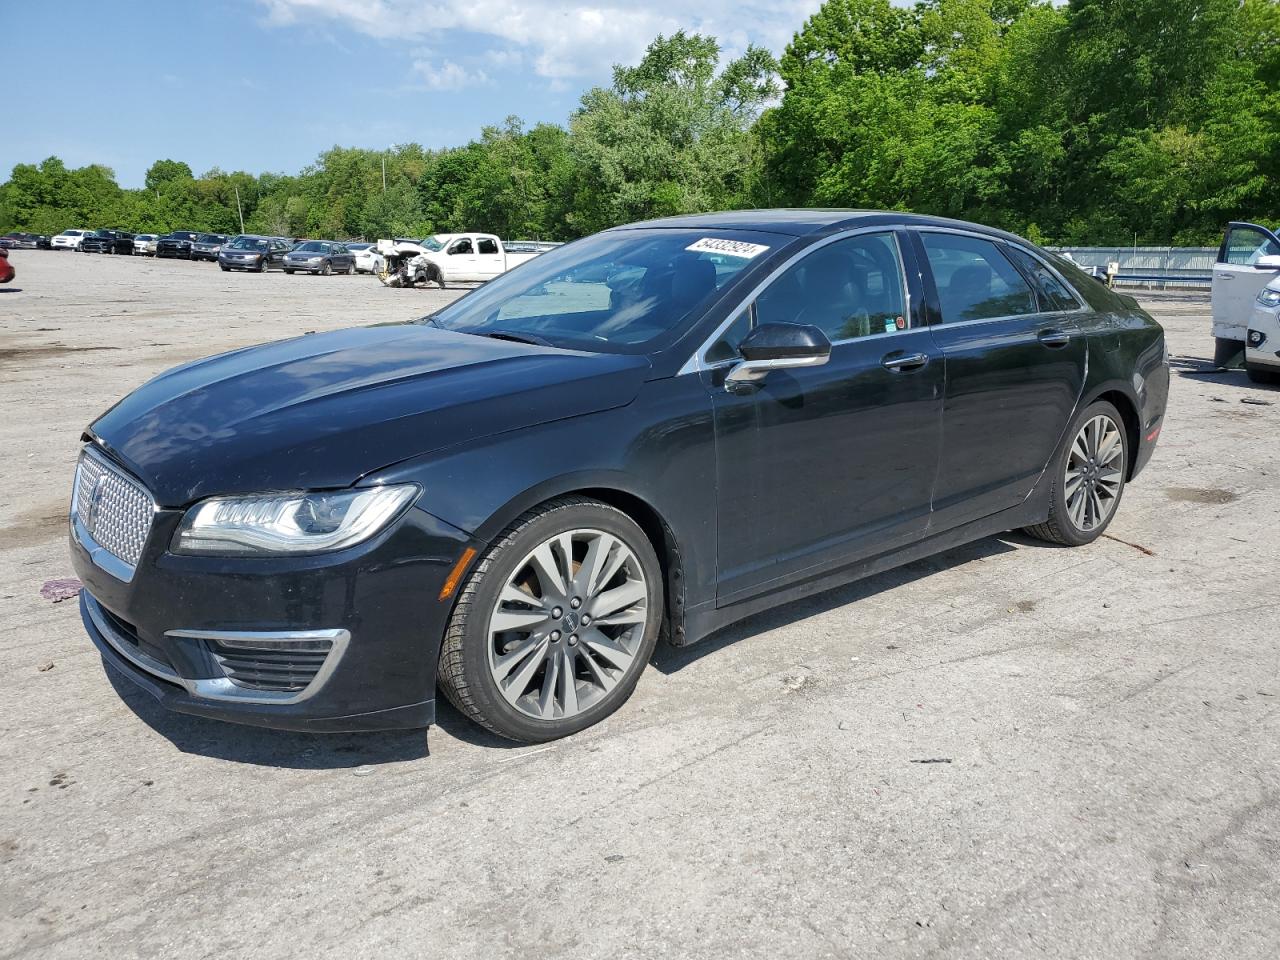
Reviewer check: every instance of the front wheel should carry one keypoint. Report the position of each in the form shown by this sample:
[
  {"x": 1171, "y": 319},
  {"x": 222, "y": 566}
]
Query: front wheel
[
  {"x": 556, "y": 623},
  {"x": 1089, "y": 477},
  {"x": 1262, "y": 375},
  {"x": 288, "y": 271},
  {"x": 225, "y": 268},
  {"x": 327, "y": 269}
]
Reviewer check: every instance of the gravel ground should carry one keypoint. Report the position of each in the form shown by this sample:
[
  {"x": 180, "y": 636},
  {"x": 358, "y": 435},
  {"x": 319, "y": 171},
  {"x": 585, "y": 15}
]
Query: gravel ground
[{"x": 1008, "y": 750}]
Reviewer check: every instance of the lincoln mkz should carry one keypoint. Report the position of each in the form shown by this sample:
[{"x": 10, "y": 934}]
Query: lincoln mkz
[{"x": 650, "y": 432}]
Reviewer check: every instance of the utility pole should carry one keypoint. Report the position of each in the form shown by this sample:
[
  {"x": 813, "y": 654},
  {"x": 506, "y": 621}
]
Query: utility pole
[
  {"x": 239, "y": 209},
  {"x": 384, "y": 173}
]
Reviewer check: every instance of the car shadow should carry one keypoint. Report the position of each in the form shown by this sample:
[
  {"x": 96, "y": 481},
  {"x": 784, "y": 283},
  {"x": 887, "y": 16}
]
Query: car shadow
[
  {"x": 1204, "y": 371},
  {"x": 258, "y": 746},
  {"x": 669, "y": 659},
  {"x": 10, "y": 289}
]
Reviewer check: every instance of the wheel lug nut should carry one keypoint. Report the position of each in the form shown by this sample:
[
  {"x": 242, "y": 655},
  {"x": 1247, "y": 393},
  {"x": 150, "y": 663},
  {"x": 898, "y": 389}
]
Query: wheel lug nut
[
  {"x": 573, "y": 639},
  {"x": 585, "y": 619},
  {"x": 575, "y": 603},
  {"x": 557, "y": 612},
  {"x": 555, "y": 636}
]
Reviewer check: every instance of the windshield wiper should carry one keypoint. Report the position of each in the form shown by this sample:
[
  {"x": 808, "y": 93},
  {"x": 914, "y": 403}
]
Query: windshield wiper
[{"x": 530, "y": 338}]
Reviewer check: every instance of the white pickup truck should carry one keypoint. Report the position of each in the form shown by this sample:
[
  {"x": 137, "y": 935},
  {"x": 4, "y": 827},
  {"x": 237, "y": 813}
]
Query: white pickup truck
[{"x": 460, "y": 257}]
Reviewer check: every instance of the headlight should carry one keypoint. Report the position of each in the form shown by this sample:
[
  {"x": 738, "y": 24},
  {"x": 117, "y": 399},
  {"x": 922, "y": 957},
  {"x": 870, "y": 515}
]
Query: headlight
[
  {"x": 1269, "y": 297},
  {"x": 290, "y": 522},
  {"x": 314, "y": 259}
]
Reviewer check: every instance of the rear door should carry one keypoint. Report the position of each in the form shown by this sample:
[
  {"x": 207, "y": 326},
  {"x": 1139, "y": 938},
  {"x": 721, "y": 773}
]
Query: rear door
[
  {"x": 490, "y": 261},
  {"x": 1238, "y": 279},
  {"x": 1014, "y": 373}
]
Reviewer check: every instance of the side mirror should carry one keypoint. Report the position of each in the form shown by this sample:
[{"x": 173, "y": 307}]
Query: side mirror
[
  {"x": 779, "y": 346},
  {"x": 1269, "y": 262}
]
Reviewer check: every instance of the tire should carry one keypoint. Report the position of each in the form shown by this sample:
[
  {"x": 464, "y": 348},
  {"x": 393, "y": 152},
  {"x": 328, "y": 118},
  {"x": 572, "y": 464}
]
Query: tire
[
  {"x": 288, "y": 271},
  {"x": 225, "y": 268},
  {"x": 1261, "y": 375},
  {"x": 471, "y": 656},
  {"x": 262, "y": 267},
  {"x": 351, "y": 269},
  {"x": 327, "y": 269},
  {"x": 1071, "y": 521}
]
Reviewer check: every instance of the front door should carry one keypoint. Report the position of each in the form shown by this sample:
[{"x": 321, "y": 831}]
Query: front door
[
  {"x": 1014, "y": 373},
  {"x": 1238, "y": 279},
  {"x": 461, "y": 260},
  {"x": 818, "y": 467}
]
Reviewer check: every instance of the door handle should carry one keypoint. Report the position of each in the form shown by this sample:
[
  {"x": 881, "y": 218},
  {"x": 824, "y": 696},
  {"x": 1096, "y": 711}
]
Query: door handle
[
  {"x": 1054, "y": 338},
  {"x": 912, "y": 361},
  {"x": 1226, "y": 276}
]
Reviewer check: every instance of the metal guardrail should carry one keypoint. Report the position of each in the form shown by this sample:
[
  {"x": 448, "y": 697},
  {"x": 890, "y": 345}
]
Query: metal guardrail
[{"x": 1155, "y": 267}]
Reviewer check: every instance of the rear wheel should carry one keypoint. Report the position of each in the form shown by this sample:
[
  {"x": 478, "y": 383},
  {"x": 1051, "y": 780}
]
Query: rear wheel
[
  {"x": 555, "y": 624},
  {"x": 1089, "y": 477},
  {"x": 351, "y": 268}
]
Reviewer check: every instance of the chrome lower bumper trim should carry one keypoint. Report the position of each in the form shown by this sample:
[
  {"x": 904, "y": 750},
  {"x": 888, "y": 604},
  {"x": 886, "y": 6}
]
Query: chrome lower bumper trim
[{"x": 222, "y": 688}]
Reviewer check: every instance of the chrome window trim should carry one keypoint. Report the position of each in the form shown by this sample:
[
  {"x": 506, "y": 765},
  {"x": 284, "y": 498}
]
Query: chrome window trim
[
  {"x": 997, "y": 241},
  {"x": 698, "y": 361}
]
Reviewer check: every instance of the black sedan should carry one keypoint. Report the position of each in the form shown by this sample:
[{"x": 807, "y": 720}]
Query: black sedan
[
  {"x": 659, "y": 429},
  {"x": 206, "y": 246},
  {"x": 320, "y": 257},
  {"x": 107, "y": 241},
  {"x": 257, "y": 254},
  {"x": 176, "y": 245}
]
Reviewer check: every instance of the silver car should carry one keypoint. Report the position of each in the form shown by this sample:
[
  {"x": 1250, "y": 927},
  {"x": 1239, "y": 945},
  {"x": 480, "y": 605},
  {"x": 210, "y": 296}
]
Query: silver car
[{"x": 144, "y": 244}]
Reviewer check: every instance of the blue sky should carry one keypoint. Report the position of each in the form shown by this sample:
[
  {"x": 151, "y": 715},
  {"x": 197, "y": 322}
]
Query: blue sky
[{"x": 268, "y": 84}]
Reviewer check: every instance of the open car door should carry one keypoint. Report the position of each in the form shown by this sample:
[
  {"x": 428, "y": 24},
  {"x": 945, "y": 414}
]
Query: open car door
[{"x": 1248, "y": 260}]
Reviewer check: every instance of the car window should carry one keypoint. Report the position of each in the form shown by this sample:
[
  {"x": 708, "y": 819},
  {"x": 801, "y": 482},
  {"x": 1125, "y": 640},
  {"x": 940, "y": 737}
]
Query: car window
[
  {"x": 1053, "y": 294},
  {"x": 1246, "y": 244},
  {"x": 488, "y": 246},
  {"x": 975, "y": 280},
  {"x": 461, "y": 246},
  {"x": 612, "y": 291},
  {"x": 848, "y": 289}
]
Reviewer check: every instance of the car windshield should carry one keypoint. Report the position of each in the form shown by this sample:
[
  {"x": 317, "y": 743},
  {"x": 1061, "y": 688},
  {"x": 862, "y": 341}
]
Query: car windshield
[
  {"x": 612, "y": 291},
  {"x": 311, "y": 246},
  {"x": 432, "y": 244},
  {"x": 247, "y": 243},
  {"x": 207, "y": 238}
]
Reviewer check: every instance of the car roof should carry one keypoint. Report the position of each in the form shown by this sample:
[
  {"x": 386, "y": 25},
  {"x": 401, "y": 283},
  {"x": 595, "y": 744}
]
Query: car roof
[{"x": 804, "y": 221}]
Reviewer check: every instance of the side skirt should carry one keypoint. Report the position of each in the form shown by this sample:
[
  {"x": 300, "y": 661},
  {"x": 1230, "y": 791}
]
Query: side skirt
[{"x": 706, "y": 618}]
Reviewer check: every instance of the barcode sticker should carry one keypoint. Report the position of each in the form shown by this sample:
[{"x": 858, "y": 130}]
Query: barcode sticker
[{"x": 730, "y": 248}]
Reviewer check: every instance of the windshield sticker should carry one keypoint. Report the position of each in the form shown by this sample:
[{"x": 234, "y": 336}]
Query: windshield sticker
[{"x": 730, "y": 248}]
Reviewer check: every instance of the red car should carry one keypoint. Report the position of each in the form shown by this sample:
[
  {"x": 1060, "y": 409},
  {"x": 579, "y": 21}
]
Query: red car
[{"x": 6, "y": 268}]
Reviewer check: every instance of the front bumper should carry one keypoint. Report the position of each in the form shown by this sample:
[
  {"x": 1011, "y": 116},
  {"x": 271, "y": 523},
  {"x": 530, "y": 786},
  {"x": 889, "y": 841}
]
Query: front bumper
[
  {"x": 183, "y": 253},
  {"x": 1262, "y": 343},
  {"x": 165, "y": 629},
  {"x": 236, "y": 263}
]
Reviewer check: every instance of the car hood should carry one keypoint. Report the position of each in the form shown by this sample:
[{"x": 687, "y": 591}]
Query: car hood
[{"x": 321, "y": 411}]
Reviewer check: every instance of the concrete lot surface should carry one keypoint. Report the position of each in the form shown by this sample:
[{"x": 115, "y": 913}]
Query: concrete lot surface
[{"x": 1009, "y": 750}]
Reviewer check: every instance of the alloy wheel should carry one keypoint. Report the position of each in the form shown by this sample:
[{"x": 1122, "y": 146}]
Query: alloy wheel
[
  {"x": 568, "y": 624},
  {"x": 1094, "y": 473}
]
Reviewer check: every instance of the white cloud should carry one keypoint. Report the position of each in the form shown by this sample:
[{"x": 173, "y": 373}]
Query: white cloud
[
  {"x": 560, "y": 40},
  {"x": 448, "y": 75}
]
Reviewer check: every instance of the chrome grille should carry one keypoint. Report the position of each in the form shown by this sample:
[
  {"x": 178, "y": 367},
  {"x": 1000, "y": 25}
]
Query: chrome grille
[{"x": 112, "y": 508}]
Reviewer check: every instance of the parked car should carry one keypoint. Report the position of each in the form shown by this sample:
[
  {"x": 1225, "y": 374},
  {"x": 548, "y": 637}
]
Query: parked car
[
  {"x": 68, "y": 240},
  {"x": 176, "y": 245},
  {"x": 206, "y": 246},
  {"x": 452, "y": 257},
  {"x": 253, "y": 253},
  {"x": 1248, "y": 260},
  {"x": 320, "y": 257},
  {"x": 664, "y": 427},
  {"x": 1262, "y": 342},
  {"x": 7, "y": 272},
  {"x": 144, "y": 244},
  {"x": 366, "y": 255},
  {"x": 107, "y": 241},
  {"x": 18, "y": 241}
]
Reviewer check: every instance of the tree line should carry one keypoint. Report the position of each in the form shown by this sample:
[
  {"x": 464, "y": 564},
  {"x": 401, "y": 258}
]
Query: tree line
[{"x": 1101, "y": 121}]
